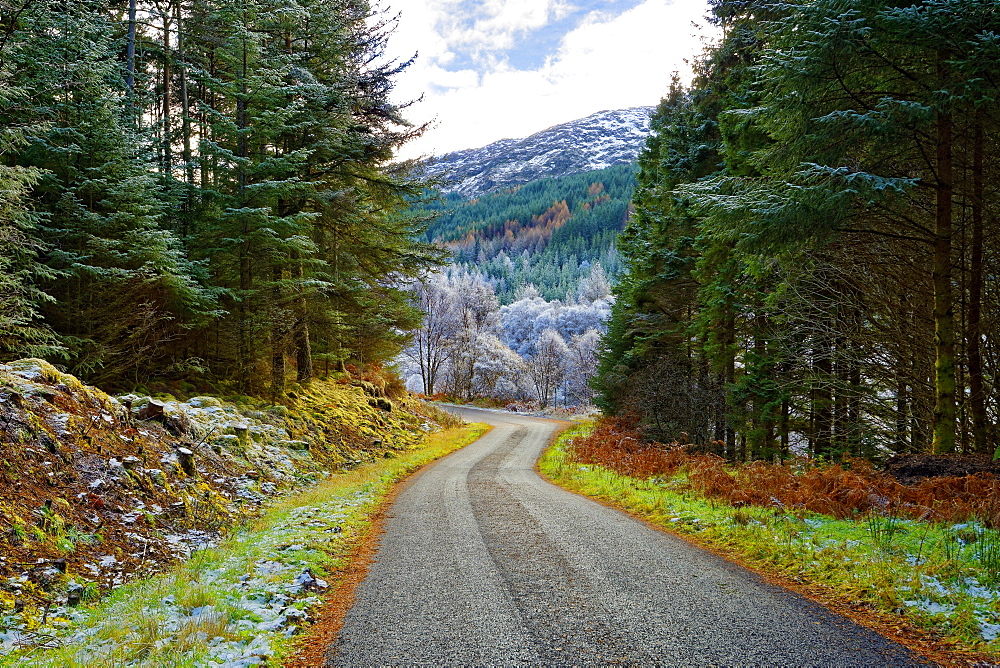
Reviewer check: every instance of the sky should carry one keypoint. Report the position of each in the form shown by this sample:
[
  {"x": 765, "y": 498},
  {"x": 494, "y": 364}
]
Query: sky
[{"x": 496, "y": 69}]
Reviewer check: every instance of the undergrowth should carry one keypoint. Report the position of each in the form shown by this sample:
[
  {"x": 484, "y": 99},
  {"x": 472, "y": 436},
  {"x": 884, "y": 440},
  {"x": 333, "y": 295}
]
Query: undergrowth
[
  {"x": 843, "y": 491},
  {"x": 239, "y": 603},
  {"x": 922, "y": 553}
]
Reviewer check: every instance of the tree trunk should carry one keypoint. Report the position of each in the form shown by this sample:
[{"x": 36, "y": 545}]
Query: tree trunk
[
  {"x": 277, "y": 341},
  {"x": 186, "y": 134},
  {"x": 303, "y": 347},
  {"x": 902, "y": 420},
  {"x": 729, "y": 371},
  {"x": 977, "y": 394},
  {"x": 243, "y": 323},
  {"x": 822, "y": 398},
  {"x": 167, "y": 157},
  {"x": 944, "y": 310},
  {"x": 245, "y": 261},
  {"x": 785, "y": 440},
  {"x": 130, "y": 53}
]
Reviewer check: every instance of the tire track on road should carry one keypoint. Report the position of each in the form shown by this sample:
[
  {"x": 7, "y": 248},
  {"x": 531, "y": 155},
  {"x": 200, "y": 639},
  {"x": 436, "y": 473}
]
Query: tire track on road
[{"x": 484, "y": 563}]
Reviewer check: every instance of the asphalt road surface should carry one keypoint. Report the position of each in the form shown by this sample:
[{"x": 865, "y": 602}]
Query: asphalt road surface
[{"x": 484, "y": 563}]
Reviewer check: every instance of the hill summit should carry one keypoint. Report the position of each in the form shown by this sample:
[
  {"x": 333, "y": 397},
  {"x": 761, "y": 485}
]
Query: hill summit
[{"x": 598, "y": 141}]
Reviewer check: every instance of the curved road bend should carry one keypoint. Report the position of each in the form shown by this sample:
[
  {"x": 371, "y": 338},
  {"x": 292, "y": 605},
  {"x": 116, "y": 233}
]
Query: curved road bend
[{"x": 484, "y": 563}]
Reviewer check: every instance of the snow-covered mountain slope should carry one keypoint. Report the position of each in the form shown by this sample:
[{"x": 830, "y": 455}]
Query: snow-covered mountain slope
[{"x": 602, "y": 140}]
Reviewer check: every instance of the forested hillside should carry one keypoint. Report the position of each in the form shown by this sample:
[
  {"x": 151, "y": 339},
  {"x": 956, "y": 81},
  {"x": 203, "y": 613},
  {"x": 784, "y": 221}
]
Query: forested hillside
[
  {"x": 519, "y": 313},
  {"x": 813, "y": 260},
  {"x": 549, "y": 233},
  {"x": 198, "y": 189}
]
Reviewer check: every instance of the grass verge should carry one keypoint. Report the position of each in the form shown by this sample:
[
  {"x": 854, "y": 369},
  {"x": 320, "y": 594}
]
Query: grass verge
[
  {"x": 242, "y": 602},
  {"x": 935, "y": 587}
]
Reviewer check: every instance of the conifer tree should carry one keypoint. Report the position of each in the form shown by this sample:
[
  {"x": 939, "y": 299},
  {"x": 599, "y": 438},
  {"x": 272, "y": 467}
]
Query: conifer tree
[{"x": 121, "y": 285}]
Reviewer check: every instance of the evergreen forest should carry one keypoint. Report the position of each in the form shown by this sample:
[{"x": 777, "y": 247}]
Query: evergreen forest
[
  {"x": 812, "y": 264},
  {"x": 548, "y": 233},
  {"x": 202, "y": 189}
]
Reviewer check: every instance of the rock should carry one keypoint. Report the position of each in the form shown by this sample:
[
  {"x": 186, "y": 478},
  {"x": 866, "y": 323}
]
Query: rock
[
  {"x": 177, "y": 425},
  {"x": 157, "y": 476},
  {"x": 309, "y": 582},
  {"x": 186, "y": 459},
  {"x": 74, "y": 594},
  {"x": 153, "y": 410},
  {"x": 381, "y": 404},
  {"x": 370, "y": 389},
  {"x": 294, "y": 445}
]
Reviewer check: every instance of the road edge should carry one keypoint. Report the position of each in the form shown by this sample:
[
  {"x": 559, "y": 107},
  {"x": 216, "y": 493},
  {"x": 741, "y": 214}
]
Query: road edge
[
  {"x": 922, "y": 642},
  {"x": 314, "y": 648}
]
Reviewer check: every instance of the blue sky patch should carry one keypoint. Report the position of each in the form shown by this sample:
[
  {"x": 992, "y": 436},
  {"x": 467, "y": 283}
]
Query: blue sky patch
[{"x": 531, "y": 48}]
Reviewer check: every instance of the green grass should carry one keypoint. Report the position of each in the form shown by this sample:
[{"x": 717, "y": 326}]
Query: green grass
[
  {"x": 944, "y": 577},
  {"x": 222, "y": 603}
]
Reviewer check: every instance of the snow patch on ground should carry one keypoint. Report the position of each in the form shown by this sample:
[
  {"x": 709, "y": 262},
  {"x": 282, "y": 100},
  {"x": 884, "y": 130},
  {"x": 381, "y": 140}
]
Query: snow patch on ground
[{"x": 256, "y": 603}]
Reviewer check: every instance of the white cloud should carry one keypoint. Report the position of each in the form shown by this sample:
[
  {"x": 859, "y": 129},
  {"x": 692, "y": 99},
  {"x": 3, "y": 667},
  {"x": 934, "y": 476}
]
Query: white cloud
[
  {"x": 496, "y": 24},
  {"x": 607, "y": 62}
]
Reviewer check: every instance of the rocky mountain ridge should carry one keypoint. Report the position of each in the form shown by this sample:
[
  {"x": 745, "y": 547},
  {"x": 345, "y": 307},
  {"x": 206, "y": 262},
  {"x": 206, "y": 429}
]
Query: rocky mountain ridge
[{"x": 598, "y": 141}]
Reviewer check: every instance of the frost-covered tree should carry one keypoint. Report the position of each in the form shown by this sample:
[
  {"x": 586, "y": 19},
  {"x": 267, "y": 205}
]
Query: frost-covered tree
[
  {"x": 547, "y": 367},
  {"x": 581, "y": 364},
  {"x": 468, "y": 346},
  {"x": 499, "y": 371},
  {"x": 430, "y": 349},
  {"x": 594, "y": 286},
  {"x": 476, "y": 318},
  {"x": 525, "y": 320}
]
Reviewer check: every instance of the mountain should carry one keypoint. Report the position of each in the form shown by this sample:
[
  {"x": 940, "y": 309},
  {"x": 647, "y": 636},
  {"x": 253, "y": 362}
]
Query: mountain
[{"x": 599, "y": 141}]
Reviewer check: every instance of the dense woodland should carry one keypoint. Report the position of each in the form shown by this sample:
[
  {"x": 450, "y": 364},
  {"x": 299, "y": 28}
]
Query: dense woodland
[
  {"x": 548, "y": 233},
  {"x": 205, "y": 189},
  {"x": 200, "y": 188},
  {"x": 814, "y": 256}
]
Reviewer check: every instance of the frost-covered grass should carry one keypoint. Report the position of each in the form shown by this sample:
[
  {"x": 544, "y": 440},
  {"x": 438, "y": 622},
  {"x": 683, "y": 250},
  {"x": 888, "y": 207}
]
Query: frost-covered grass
[
  {"x": 941, "y": 576},
  {"x": 238, "y": 603}
]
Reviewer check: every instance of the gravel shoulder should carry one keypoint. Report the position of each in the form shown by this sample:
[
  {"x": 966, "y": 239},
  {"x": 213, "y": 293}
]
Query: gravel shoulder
[{"x": 484, "y": 563}]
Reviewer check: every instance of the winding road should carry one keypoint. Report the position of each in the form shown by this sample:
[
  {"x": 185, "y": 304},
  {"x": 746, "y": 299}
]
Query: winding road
[{"x": 484, "y": 563}]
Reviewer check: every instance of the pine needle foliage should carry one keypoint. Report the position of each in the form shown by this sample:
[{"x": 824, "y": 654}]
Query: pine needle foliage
[
  {"x": 205, "y": 181},
  {"x": 812, "y": 235}
]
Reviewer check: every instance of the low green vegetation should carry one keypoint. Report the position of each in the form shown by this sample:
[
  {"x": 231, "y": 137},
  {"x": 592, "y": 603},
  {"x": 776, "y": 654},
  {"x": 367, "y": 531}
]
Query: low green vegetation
[
  {"x": 942, "y": 576},
  {"x": 241, "y": 602}
]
